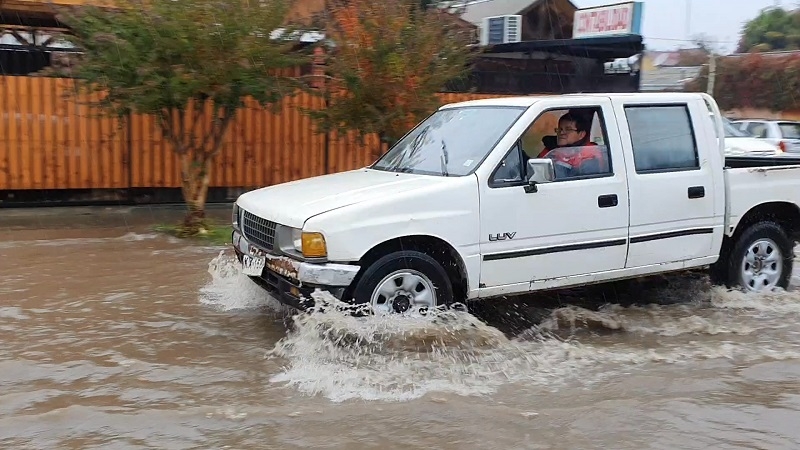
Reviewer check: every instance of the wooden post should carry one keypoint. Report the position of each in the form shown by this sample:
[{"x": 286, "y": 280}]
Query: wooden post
[
  {"x": 712, "y": 72},
  {"x": 320, "y": 81},
  {"x": 318, "y": 69}
]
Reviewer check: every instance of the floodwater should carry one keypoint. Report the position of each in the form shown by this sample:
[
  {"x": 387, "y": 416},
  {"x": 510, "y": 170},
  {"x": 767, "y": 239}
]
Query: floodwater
[{"x": 116, "y": 338}]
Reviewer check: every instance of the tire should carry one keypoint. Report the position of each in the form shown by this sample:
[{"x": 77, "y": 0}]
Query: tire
[
  {"x": 406, "y": 267},
  {"x": 764, "y": 238}
]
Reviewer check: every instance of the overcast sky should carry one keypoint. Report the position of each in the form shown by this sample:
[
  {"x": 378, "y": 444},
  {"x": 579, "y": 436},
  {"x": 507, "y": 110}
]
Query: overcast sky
[{"x": 664, "y": 24}]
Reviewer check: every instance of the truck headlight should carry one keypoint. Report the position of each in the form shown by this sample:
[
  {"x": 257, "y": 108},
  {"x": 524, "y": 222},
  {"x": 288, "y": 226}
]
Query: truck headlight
[
  {"x": 313, "y": 245},
  {"x": 297, "y": 239},
  {"x": 289, "y": 240},
  {"x": 235, "y": 215},
  {"x": 293, "y": 241}
]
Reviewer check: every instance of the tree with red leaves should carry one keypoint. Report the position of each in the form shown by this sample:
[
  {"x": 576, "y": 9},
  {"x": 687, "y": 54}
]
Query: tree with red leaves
[
  {"x": 756, "y": 81},
  {"x": 389, "y": 61}
]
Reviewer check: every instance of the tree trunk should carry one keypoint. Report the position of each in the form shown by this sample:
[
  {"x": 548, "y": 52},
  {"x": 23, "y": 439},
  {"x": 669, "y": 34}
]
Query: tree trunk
[
  {"x": 384, "y": 143},
  {"x": 196, "y": 159},
  {"x": 195, "y": 172}
]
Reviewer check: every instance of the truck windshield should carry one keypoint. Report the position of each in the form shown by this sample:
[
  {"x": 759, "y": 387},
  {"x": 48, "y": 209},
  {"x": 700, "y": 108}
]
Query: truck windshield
[{"x": 451, "y": 142}]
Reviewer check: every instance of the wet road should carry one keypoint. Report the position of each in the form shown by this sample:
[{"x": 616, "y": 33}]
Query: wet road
[{"x": 117, "y": 338}]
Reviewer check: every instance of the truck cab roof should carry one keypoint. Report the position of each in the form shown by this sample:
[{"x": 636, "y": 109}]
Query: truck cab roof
[{"x": 527, "y": 101}]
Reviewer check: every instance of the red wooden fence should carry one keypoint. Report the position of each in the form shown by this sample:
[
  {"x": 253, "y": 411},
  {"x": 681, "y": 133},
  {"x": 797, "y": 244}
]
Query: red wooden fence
[{"x": 50, "y": 139}]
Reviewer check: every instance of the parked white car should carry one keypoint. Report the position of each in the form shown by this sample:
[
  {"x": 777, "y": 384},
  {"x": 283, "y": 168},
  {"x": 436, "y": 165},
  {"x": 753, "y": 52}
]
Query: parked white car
[
  {"x": 470, "y": 205},
  {"x": 783, "y": 133},
  {"x": 739, "y": 143}
]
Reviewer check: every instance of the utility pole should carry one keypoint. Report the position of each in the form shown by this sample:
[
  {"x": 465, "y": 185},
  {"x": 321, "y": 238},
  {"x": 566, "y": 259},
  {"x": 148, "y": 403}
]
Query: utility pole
[
  {"x": 705, "y": 43},
  {"x": 688, "y": 23},
  {"x": 712, "y": 71}
]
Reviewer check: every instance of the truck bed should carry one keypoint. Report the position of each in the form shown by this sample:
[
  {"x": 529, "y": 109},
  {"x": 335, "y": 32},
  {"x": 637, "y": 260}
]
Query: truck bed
[{"x": 754, "y": 181}]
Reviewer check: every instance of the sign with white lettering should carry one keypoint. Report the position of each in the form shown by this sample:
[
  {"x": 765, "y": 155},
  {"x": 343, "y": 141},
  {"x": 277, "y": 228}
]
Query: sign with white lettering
[{"x": 608, "y": 20}]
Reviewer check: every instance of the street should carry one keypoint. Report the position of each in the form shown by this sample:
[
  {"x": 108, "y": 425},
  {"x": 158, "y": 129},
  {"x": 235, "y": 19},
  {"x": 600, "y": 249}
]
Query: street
[{"x": 116, "y": 337}]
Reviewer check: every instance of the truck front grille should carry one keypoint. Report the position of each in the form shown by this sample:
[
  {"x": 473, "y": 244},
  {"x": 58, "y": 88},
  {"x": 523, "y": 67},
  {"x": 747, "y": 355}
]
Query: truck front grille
[{"x": 260, "y": 232}]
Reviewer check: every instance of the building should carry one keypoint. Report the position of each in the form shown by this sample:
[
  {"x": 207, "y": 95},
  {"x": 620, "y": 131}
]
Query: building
[
  {"x": 542, "y": 54},
  {"x": 671, "y": 70},
  {"x": 541, "y": 19},
  {"x": 29, "y": 30},
  {"x": 546, "y": 55},
  {"x": 543, "y": 57},
  {"x": 28, "y": 34}
]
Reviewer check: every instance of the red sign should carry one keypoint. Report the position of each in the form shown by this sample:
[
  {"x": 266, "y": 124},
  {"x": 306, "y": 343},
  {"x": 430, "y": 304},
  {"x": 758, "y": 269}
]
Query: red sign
[{"x": 604, "y": 20}]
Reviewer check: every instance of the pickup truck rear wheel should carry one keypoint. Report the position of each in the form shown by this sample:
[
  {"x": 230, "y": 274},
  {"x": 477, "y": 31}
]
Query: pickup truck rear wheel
[
  {"x": 403, "y": 280},
  {"x": 761, "y": 258}
]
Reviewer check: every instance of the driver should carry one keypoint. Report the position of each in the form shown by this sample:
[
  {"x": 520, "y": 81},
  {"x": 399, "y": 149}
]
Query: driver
[{"x": 574, "y": 154}]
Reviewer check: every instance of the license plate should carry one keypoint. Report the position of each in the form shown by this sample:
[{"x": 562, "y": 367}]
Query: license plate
[{"x": 253, "y": 265}]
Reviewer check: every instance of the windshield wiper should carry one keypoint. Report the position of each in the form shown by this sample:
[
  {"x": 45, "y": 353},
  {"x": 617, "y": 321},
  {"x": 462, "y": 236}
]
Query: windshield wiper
[
  {"x": 445, "y": 159},
  {"x": 402, "y": 162}
]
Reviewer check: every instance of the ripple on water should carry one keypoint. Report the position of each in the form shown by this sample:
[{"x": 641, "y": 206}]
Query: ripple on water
[
  {"x": 83, "y": 241},
  {"x": 12, "y": 312}
]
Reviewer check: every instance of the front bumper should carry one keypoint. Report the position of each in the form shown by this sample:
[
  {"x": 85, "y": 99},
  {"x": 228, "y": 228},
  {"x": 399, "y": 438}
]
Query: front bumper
[{"x": 290, "y": 281}]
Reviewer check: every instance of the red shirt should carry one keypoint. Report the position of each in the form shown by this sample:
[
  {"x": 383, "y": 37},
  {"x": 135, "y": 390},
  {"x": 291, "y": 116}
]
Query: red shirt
[{"x": 573, "y": 157}]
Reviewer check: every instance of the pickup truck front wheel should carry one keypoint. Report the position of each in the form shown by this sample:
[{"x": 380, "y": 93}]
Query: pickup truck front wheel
[
  {"x": 761, "y": 259},
  {"x": 403, "y": 280}
]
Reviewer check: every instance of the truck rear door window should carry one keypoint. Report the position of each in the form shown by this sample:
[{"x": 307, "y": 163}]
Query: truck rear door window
[{"x": 662, "y": 137}]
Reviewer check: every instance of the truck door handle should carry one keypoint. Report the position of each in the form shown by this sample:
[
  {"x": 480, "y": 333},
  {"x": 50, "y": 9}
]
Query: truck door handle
[
  {"x": 607, "y": 201},
  {"x": 697, "y": 192}
]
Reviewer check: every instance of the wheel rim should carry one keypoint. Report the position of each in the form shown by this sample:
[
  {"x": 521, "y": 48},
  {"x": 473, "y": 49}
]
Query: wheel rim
[
  {"x": 762, "y": 265},
  {"x": 402, "y": 290}
]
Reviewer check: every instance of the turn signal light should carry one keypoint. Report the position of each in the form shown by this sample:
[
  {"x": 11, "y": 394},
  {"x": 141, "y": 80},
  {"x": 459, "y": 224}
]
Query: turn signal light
[{"x": 314, "y": 245}]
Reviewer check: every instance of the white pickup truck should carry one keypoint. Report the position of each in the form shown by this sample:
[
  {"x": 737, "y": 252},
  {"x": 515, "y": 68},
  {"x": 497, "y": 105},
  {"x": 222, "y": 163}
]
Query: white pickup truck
[{"x": 475, "y": 202}]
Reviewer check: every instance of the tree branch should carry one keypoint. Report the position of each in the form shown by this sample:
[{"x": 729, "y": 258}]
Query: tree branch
[
  {"x": 219, "y": 135},
  {"x": 168, "y": 131},
  {"x": 197, "y": 113}
]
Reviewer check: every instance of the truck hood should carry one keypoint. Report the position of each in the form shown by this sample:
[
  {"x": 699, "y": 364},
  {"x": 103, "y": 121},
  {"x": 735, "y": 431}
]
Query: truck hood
[{"x": 293, "y": 203}]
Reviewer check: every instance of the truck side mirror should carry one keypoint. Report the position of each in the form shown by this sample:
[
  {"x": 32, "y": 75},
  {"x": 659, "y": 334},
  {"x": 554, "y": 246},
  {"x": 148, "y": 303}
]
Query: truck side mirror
[{"x": 541, "y": 170}]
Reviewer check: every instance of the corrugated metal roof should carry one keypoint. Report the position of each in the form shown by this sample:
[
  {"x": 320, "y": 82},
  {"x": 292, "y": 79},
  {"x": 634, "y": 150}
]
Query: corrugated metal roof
[{"x": 475, "y": 12}]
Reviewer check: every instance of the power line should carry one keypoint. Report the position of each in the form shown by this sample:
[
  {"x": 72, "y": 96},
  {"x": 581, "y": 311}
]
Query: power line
[{"x": 687, "y": 40}]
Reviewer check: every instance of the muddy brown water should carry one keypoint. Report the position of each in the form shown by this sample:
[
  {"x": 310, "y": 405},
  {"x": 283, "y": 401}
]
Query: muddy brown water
[{"x": 114, "y": 337}]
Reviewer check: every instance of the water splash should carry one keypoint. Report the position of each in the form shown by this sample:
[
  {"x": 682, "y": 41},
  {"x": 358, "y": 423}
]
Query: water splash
[
  {"x": 229, "y": 289},
  {"x": 400, "y": 358},
  {"x": 397, "y": 358},
  {"x": 331, "y": 353},
  {"x": 778, "y": 302},
  {"x": 668, "y": 321}
]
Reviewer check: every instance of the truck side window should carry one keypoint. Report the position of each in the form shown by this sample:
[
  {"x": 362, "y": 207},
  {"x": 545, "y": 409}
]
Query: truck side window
[
  {"x": 663, "y": 138},
  {"x": 511, "y": 169},
  {"x": 573, "y": 138}
]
